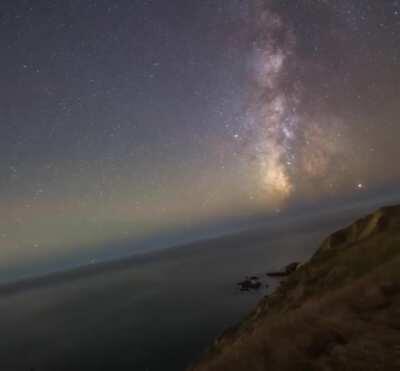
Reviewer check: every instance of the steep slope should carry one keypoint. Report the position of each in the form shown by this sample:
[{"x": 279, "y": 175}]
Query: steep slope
[{"x": 339, "y": 311}]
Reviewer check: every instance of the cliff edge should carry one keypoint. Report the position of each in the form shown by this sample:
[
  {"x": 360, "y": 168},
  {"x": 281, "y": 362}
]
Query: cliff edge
[{"x": 339, "y": 311}]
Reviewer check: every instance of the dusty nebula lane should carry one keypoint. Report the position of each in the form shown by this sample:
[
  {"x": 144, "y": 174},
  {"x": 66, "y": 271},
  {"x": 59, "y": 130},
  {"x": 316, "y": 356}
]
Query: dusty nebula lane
[
  {"x": 275, "y": 113},
  {"x": 305, "y": 145}
]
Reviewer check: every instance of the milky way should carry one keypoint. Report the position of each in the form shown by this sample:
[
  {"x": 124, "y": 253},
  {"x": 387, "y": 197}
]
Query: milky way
[
  {"x": 274, "y": 117},
  {"x": 295, "y": 148}
]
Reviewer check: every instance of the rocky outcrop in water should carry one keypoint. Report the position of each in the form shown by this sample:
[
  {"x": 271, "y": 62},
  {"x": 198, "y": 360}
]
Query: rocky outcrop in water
[{"x": 289, "y": 269}]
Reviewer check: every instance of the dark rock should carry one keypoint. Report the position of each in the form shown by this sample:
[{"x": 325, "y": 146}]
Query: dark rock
[
  {"x": 277, "y": 274},
  {"x": 249, "y": 284},
  {"x": 289, "y": 269}
]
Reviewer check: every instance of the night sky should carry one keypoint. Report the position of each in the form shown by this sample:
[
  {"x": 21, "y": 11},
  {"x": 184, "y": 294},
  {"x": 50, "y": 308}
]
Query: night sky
[{"x": 162, "y": 121}]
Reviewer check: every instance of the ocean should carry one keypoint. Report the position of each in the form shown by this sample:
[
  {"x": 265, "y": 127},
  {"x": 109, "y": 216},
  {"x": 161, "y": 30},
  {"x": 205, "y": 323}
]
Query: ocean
[{"x": 159, "y": 311}]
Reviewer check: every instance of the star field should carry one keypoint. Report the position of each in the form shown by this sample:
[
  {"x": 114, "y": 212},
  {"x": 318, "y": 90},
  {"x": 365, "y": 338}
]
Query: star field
[{"x": 138, "y": 124}]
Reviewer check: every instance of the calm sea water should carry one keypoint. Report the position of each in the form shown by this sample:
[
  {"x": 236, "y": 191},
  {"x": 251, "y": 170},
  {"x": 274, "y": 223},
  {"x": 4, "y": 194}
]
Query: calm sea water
[{"x": 156, "y": 314}]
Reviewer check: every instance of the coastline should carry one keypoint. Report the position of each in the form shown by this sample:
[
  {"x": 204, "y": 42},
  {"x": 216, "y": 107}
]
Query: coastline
[{"x": 322, "y": 313}]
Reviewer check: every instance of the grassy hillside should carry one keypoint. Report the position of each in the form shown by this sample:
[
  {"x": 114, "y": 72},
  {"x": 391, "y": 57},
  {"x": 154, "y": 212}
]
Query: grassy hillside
[{"x": 339, "y": 311}]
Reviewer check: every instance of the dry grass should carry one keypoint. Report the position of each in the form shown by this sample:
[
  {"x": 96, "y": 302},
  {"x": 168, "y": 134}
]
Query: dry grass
[{"x": 341, "y": 312}]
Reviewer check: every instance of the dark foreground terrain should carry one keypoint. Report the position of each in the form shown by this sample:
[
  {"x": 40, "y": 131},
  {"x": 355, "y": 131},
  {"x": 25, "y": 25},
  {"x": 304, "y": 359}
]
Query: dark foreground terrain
[{"x": 339, "y": 311}]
